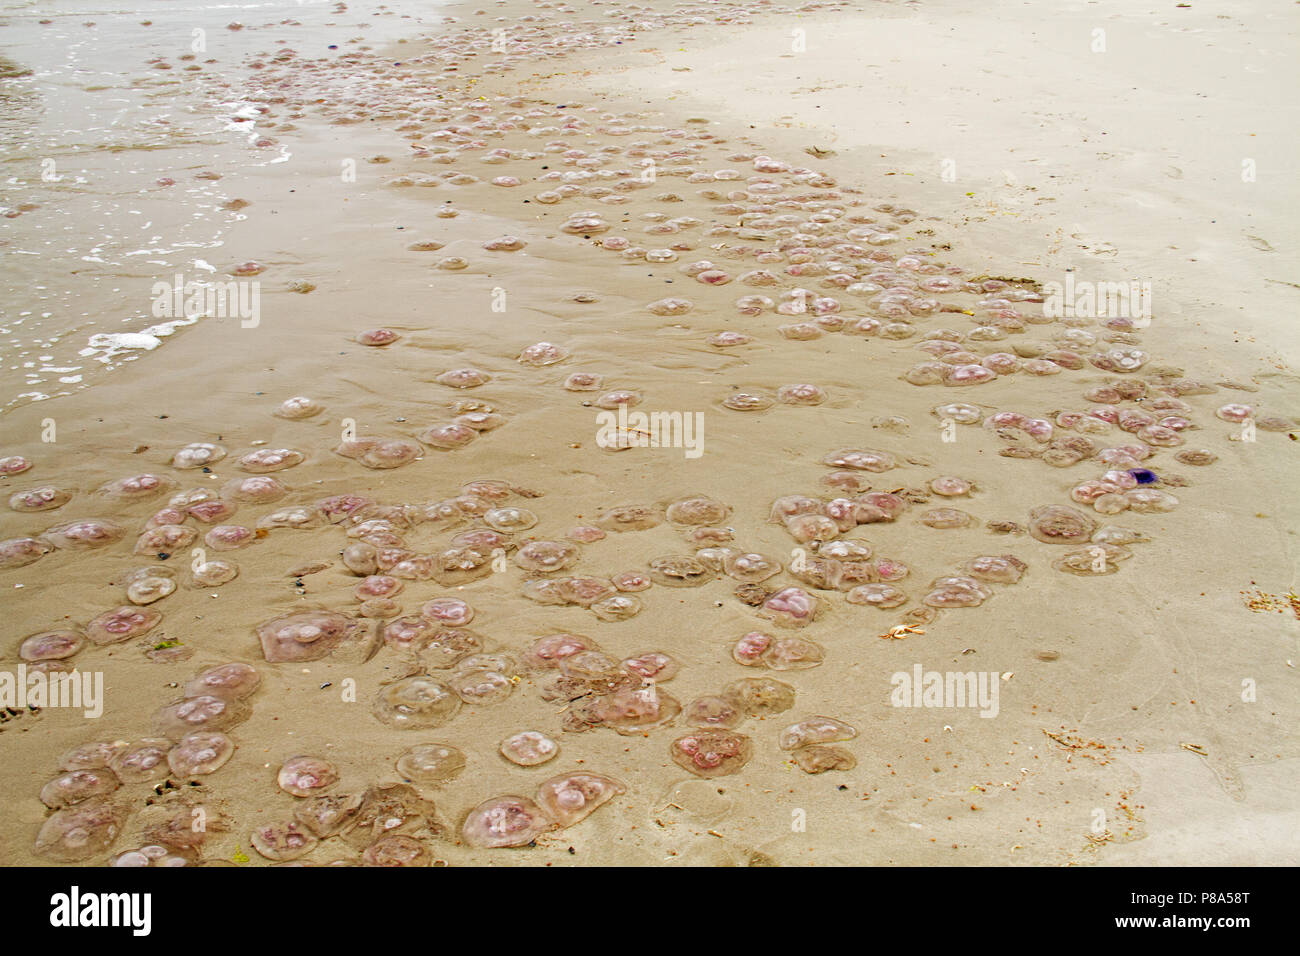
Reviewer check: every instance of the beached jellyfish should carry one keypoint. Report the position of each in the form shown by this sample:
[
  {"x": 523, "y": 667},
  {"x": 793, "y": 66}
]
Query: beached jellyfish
[
  {"x": 380, "y": 453},
  {"x": 445, "y": 647},
  {"x": 760, "y": 696},
  {"x": 415, "y": 703},
  {"x": 752, "y": 648},
  {"x": 233, "y": 681},
  {"x": 815, "y": 730},
  {"x": 549, "y": 652},
  {"x": 81, "y": 832},
  {"x": 154, "y": 854},
  {"x": 200, "y": 753},
  {"x": 818, "y": 758},
  {"x": 202, "y": 713},
  {"x": 75, "y": 786},
  {"x": 729, "y": 339},
  {"x": 505, "y": 821},
  {"x": 790, "y": 607},
  {"x": 809, "y": 527},
  {"x": 147, "y": 585},
  {"x": 449, "y": 612},
  {"x": 448, "y": 437},
  {"x": 266, "y": 460},
  {"x": 509, "y": 519},
  {"x": 396, "y": 849},
  {"x": 617, "y": 607},
  {"x": 876, "y": 595},
  {"x": 754, "y": 304},
  {"x": 679, "y": 571},
  {"x": 283, "y": 841},
  {"x": 543, "y": 353},
  {"x": 652, "y": 665},
  {"x": 197, "y": 455},
  {"x": 211, "y": 574},
  {"x": 258, "y": 489},
  {"x": 377, "y": 586},
  {"x": 750, "y": 567},
  {"x": 306, "y": 635},
  {"x": 698, "y": 510},
  {"x": 583, "y": 382},
  {"x": 712, "y": 753},
  {"x": 950, "y": 487},
  {"x": 1197, "y": 457},
  {"x": 714, "y": 712},
  {"x": 211, "y": 511},
  {"x": 14, "y": 465},
  {"x": 946, "y": 518},
  {"x": 1093, "y": 560},
  {"x": 959, "y": 412},
  {"x": 572, "y": 797},
  {"x": 1150, "y": 500},
  {"x": 121, "y": 624},
  {"x": 529, "y": 748},
  {"x": 748, "y": 402},
  {"x": 20, "y": 552},
  {"x": 1234, "y": 413},
  {"x": 631, "y": 581},
  {"x": 431, "y": 765},
  {"x": 83, "y": 535},
  {"x": 143, "y": 761},
  {"x": 670, "y": 306},
  {"x": 304, "y": 776},
  {"x": 452, "y": 263},
  {"x": 998, "y": 569},
  {"x": 165, "y": 539},
  {"x": 480, "y": 685},
  {"x": 136, "y": 488},
  {"x": 617, "y": 398},
  {"x": 801, "y": 394},
  {"x": 55, "y": 645},
  {"x": 1060, "y": 524},
  {"x": 479, "y": 421},
  {"x": 228, "y": 537},
  {"x": 585, "y": 534},
  {"x": 297, "y": 407},
  {"x": 546, "y": 557},
  {"x": 860, "y": 459},
  {"x": 44, "y": 498},
  {"x": 956, "y": 591},
  {"x": 328, "y": 815}
]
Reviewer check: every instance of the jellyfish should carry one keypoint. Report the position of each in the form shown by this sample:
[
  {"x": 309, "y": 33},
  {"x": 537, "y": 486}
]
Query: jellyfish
[
  {"x": 711, "y": 753},
  {"x": 572, "y": 797},
  {"x": 529, "y": 748},
  {"x": 76, "y": 786},
  {"x": 431, "y": 765},
  {"x": 200, "y": 753},
  {"x": 790, "y": 607},
  {"x": 233, "y": 681},
  {"x": 306, "y": 635},
  {"x": 679, "y": 571},
  {"x": 328, "y": 815},
  {"x": 198, "y": 455},
  {"x": 202, "y": 713},
  {"x": 298, "y": 407},
  {"x": 998, "y": 569},
  {"x": 547, "y": 653},
  {"x": 55, "y": 645},
  {"x": 380, "y": 453},
  {"x": 815, "y": 730},
  {"x": 305, "y": 776},
  {"x": 630, "y": 518},
  {"x": 145, "y": 761},
  {"x": 283, "y": 841},
  {"x": 546, "y": 557},
  {"x": 946, "y": 518},
  {"x": 1060, "y": 524},
  {"x": 44, "y": 498},
  {"x": 698, "y": 510},
  {"x": 415, "y": 703},
  {"x": 83, "y": 535},
  {"x": 121, "y": 624},
  {"x": 509, "y": 520},
  {"x": 817, "y": 758},
  {"x": 542, "y": 354},
  {"x": 505, "y": 821},
  {"x": 80, "y": 832},
  {"x": 876, "y": 595}
]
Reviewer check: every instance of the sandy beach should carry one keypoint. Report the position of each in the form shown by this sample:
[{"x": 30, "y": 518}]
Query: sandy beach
[{"x": 819, "y": 250}]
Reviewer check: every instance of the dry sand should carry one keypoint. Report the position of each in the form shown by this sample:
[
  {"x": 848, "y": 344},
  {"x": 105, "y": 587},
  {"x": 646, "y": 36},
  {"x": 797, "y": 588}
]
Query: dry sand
[{"x": 1120, "y": 164}]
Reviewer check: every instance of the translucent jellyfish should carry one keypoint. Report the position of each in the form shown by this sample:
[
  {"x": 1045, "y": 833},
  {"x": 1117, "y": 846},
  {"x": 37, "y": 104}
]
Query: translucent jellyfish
[
  {"x": 55, "y": 645},
  {"x": 750, "y": 567},
  {"x": 617, "y": 607},
  {"x": 509, "y": 520},
  {"x": 81, "y": 832},
  {"x": 304, "y": 776},
  {"x": 450, "y": 612},
  {"x": 75, "y": 786},
  {"x": 380, "y": 453},
  {"x": 876, "y": 595},
  {"x": 860, "y": 460},
  {"x": 202, "y": 713},
  {"x": 85, "y": 534},
  {"x": 44, "y": 498},
  {"x": 790, "y": 607},
  {"x": 20, "y": 552},
  {"x": 950, "y": 487},
  {"x": 149, "y": 585},
  {"x": 629, "y": 710},
  {"x": 283, "y": 841},
  {"x": 817, "y": 758},
  {"x": 144, "y": 761},
  {"x": 585, "y": 534},
  {"x": 448, "y": 437},
  {"x": 233, "y": 681},
  {"x": 630, "y": 518},
  {"x": 505, "y": 821},
  {"x": 719, "y": 712},
  {"x": 572, "y": 797},
  {"x": 1197, "y": 457},
  {"x": 542, "y": 354},
  {"x": 698, "y": 510},
  {"x": 997, "y": 569},
  {"x": 679, "y": 571},
  {"x": 480, "y": 685},
  {"x": 265, "y": 460},
  {"x": 136, "y": 488},
  {"x": 946, "y": 518},
  {"x": 121, "y": 624},
  {"x": 300, "y": 406},
  {"x": 652, "y": 665},
  {"x": 583, "y": 382},
  {"x": 305, "y": 635},
  {"x": 14, "y": 465},
  {"x": 1060, "y": 524},
  {"x": 397, "y": 849},
  {"x": 165, "y": 539},
  {"x": 200, "y": 753},
  {"x": 1119, "y": 360},
  {"x": 729, "y": 339},
  {"x": 748, "y": 402},
  {"x": 815, "y": 730},
  {"x": 327, "y": 816},
  {"x": 631, "y": 581},
  {"x": 209, "y": 512},
  {"x": 670, "y": 306},
  {"x": 546, "y": 557},
  {"x": 956, "y": 591},
  {"x": 211, "y": 574},
  {"x": 431, "y": 765},
  {"x": 153, "y": 855},
  {"x": 760, "y": 696},
  {"x": 1093, "y": 560},
  {"x": 712, "y": 753},
  {"x": 415, "y": 703},
  {"x": 801, "y": 394},
  {"x": 197, "y": 455},
  {"x": 1150, "y": 500},
  {"x": 529, "y": 748}
]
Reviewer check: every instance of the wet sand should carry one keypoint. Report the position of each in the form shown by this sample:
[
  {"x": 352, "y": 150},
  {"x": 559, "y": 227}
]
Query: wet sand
[{"x": 1132, "y": 673}]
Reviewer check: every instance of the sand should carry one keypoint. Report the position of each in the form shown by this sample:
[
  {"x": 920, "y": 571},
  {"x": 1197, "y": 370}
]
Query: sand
[{"x": 1117, "y": 165}]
